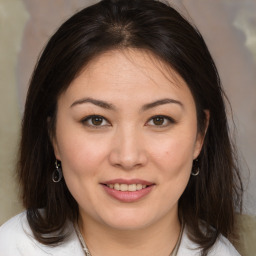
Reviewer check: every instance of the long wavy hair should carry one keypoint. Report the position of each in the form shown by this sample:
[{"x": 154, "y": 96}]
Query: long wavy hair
[{"x": 210, "y": 198}]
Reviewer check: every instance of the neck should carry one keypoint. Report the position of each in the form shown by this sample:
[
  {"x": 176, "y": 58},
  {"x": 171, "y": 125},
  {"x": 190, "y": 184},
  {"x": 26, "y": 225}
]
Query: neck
[{"x": 158, "y": 239}]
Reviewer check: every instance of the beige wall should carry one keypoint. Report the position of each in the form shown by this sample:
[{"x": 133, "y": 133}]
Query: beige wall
[
  {"x": 13, "y": 17},
  {"x": 229, "y": 27}
]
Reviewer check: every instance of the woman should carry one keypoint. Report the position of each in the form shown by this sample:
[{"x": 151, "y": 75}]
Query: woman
[{"x": 125, "y": 146}]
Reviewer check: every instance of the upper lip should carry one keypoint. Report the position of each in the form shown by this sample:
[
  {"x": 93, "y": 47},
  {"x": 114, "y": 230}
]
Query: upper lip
[{"x": 128, "y": 182}]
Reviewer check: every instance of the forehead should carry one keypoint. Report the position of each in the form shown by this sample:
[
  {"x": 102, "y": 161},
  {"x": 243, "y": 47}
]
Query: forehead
[
  {"x": 128, "y": 73},
  {"x": 134, "y": 64}
]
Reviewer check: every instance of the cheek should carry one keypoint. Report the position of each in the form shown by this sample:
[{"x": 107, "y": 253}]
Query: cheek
[
  {"x": 81, "y": 163},
  {"x": 174, "y": 162},
  {"x": 80, "y": 154},
  {"x": 174, "y": 155}
]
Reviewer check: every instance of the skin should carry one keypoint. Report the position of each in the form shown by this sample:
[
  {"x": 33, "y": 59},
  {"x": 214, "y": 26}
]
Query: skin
[{"x": 127, "y": 144}]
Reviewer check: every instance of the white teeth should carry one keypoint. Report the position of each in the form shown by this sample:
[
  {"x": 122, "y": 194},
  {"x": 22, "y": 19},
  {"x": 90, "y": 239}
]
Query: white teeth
[
  {"x": 123, "y": 187},
  {"x": 126, "y": 187},
  {"x": 116, "y": 186},
  {"x": 139, "y": 186},
  {"x": 132, "y": 187}
]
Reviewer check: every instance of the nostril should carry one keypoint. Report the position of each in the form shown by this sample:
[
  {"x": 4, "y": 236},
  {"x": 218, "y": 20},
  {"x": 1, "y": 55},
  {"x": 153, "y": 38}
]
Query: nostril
[{"x": 128, "y": 157}]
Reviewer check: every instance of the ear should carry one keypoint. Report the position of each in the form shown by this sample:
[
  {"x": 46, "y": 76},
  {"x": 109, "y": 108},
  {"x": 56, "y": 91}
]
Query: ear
[
  {"x": 52, "y": 137},
  {"x": 201, "y": 135},
  {"x": 56, "y": 148}
]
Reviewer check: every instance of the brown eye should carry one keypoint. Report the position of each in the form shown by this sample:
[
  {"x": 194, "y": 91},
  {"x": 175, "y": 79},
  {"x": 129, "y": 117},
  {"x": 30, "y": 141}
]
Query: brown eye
[
  {"x": 159, "y": 120},
  {"x": 97, "y": 120}
]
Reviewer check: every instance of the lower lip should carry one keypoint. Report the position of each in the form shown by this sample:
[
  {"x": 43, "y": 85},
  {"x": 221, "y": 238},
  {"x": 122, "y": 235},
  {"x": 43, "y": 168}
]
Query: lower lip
[{"x": 128, "y": 196}]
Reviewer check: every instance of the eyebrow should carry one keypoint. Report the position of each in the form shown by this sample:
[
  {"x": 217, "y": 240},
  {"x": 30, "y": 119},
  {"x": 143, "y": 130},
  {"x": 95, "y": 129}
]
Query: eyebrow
[
  {"x": 161, "y": 102},
  {"x": 100, "y": 103},
  {"x": 109, "y": 106}
]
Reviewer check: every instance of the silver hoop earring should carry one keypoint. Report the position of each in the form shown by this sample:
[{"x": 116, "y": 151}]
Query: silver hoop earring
[
  {"x": 57, "y": 173},
  {"x": 195, "y": 170}
]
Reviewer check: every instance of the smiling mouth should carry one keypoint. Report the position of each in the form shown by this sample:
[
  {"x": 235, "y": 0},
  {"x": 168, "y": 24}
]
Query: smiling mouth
[
  {"x": 128, "y": 191},
  {"x": 126, "y": 187}
]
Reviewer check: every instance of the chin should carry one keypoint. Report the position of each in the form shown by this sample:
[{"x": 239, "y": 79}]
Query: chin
[
  {"x": 128, "y": 225},
  {"x": 128, "y": 220}
]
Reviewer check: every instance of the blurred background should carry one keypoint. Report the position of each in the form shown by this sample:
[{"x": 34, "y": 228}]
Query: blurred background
[{"x": 229, "y": 29}]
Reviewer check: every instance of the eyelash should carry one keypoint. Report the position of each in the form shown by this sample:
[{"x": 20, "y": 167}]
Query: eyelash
[
  {"x": 89, "y": 118},
  {"x": 167, "y": 118}
]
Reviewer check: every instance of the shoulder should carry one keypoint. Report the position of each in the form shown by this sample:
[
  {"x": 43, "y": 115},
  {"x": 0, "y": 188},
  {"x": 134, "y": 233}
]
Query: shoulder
[
  {"x": 12, "y": 235},
  {"x": 16, "y": 238},
  {"x": 222, "y": 247}
]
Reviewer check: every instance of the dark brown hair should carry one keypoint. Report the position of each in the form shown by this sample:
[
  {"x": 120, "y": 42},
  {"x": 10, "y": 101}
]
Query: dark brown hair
[{"x": 211, "y": 198}]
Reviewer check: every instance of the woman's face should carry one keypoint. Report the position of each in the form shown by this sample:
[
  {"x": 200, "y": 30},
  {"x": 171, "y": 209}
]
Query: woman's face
[{"x": 126, "y": 135}]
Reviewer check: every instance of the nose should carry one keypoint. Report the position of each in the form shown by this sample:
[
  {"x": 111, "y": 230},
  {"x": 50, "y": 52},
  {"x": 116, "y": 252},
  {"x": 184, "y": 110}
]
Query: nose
[{"x": 128, "y": 150}]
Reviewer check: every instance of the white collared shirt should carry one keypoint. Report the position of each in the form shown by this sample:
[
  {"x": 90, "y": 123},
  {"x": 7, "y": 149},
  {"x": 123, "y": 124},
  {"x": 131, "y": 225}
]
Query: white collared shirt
[{"x": 16, "y": 239}]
